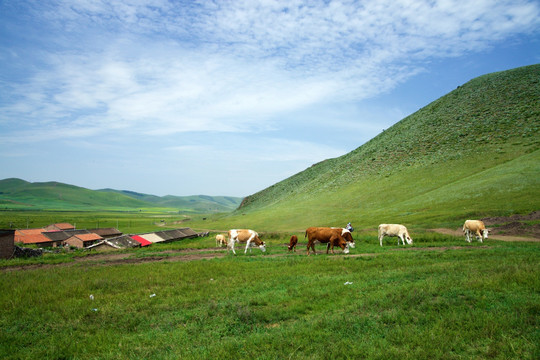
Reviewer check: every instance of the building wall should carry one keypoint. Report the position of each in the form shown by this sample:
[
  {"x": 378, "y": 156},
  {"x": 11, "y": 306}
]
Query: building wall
[
  {"x": 73, "y": 241},
  {"x": 7, "y": 243}
]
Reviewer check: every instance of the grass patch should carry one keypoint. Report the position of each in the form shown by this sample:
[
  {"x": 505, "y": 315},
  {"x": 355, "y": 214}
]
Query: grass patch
[{"x": 479, "y": 301}]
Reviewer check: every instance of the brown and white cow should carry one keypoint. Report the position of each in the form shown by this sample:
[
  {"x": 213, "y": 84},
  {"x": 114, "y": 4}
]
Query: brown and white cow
[
  {"x": 476, "y": 227},
  {"x": 250, "y": 237},
  {"x": 346, "y": 233},
  {"x": 326, "y": 235},
  {"x": 395, "y": 230},
  {"x": 292, "y": 243},
  {"x": 220, "y": 240}
]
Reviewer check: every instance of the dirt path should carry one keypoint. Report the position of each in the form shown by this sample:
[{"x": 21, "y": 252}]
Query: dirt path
[
  {"x": 111, "y": 259},
  {"x": 459, "y": 233}
]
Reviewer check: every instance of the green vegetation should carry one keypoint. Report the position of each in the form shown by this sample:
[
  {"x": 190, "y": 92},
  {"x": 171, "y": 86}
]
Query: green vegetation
[
  {"x": 457, "y": 300},
  {"x": 17, "y": 194},
  {"x": 472, "y": 153}
]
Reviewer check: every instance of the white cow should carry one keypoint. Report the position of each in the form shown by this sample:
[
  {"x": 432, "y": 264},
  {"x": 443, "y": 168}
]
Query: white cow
[
  {"x": 395, "y": 230},
  {"x": 476, "y": 227},
  {"x": 220, "y": 240},
  {"x": 250, "y": 237}
]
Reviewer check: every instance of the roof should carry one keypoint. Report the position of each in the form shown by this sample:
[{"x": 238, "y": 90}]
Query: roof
[
  {"x": 152, "y": 237},
  {"x": 141, "y": 240},
  {"x": 124, "y": 241},
  {"x": 23, "y": 232},
  {"x": 106, "y": 231},
  {"x": 57, "y": 235},
  {"x": 87, "y": 237},
  {"x": 103, "y": 242},
  {"x": 32, "y": 239},
  {"x": 61, "y": 226}
]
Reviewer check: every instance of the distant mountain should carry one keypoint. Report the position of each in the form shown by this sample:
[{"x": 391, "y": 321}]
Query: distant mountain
[
  {"x": 20, "y": 194},
  {"x": 473, "y": 152},
  {"x": 194, "y": 203}
]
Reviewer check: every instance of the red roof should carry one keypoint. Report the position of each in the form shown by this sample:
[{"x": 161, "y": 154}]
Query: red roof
[
  {"x": 88, "y": 237},
  {"x": 62, "y": 226},
  {"x": 139, "y": 239}
]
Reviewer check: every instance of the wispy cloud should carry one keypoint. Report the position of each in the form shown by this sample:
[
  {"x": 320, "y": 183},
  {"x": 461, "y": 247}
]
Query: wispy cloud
[
  {"x": 156, "y": 68},
  {"x": 230, "y": 66}
]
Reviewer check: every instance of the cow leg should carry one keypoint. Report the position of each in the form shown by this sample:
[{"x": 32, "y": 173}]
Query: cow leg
[
  {"x": 479, "y": 235},
  {"x": 380, "y": 239},
  {"x": 247, "y": 246},
  {"x": 231, "y": 245},
  {"x": 467, "y": 233}
]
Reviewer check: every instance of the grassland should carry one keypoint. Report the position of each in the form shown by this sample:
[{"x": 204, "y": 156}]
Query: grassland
[{"x": 440, "y": 299}]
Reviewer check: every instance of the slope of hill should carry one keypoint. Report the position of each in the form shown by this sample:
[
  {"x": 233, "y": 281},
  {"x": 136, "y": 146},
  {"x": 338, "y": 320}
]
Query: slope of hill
[
  {"x": 473, "y": 152},
  {"x": 20, "y": 194}
]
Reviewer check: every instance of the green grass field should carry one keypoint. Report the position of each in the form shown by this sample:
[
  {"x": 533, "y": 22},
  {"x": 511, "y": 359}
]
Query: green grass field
[{"x": 440, "y": 299}]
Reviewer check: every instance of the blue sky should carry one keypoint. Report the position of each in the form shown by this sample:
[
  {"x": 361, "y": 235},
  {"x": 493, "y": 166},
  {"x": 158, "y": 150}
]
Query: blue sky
[{"x": 230, "y": 97}]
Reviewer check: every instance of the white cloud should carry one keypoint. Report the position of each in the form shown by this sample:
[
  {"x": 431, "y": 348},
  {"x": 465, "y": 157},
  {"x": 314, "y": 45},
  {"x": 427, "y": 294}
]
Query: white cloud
[{"x": 132, "y": 69}]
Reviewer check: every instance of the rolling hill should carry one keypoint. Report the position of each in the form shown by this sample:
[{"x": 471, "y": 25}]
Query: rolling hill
[
  {"x": 473, "y": 152},
  {"x": 20, "y": 194}
]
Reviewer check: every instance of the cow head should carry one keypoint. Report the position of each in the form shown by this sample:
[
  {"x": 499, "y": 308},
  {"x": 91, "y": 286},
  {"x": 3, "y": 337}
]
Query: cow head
[
  {"x": 348, "y": 238},
  {"x": 408, "y": 239},
  {"x": 258, "y": 242},
  {"x": 485, "y": 233}
]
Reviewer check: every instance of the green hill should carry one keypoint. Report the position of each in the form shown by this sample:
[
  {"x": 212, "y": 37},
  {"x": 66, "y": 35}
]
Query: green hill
[
  {"x": 473, "y": 152},
  {"x": 20, "y": 194},
  {"x": 194, "y": 203}
]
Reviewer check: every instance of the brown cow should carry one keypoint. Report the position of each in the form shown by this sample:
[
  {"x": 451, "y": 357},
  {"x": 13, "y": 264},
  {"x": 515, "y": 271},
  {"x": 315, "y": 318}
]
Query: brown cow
[
  {"x": 250, "y": 237},
  {"x": 330, "y": 236},
  {"x": 292, "y": 243},
  {"x": 475, "y": 227}
]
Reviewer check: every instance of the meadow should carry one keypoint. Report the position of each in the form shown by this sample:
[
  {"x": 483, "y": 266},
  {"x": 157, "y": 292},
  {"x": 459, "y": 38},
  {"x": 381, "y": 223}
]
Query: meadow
[{"x": 441, "y": 298}]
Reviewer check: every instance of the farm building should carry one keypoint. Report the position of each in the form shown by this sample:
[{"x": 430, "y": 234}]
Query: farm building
[
  {"x": 7, "y": 243},
  {"x": 83, "y": 240},
  {"x": 119, "y": 242},
  {"x": 35, "y": 236}
]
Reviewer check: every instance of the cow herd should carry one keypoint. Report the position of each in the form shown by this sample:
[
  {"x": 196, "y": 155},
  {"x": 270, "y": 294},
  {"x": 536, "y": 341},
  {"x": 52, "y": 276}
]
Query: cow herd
[{"x": 336, "y": 236}]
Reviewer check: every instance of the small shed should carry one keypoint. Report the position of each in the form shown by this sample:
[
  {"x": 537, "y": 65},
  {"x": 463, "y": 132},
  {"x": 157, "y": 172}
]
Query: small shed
[
  {"x": 120, "y": 242},
  {"x": 7, "y": 243},
  {"x": 83, "y": 240}
]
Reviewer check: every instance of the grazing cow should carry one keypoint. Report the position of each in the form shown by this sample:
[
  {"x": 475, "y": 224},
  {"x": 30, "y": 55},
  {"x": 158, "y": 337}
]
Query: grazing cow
[
  {"x": 394, "y": 230},
  {"x": 220, "y": 240},
  {"x": 292, "y": 243},
  {"x": 476, "y": 227},
  {"x": 331, "y": 236},
  {"x": 346, "y": 233},
  {"x": 250, "y": 237}
]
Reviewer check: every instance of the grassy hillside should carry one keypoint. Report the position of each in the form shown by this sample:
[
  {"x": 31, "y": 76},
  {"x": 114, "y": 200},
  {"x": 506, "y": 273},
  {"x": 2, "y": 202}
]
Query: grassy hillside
[
  {"x": 20, "y": 194},
  {"x": 474, "y": 152}
]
